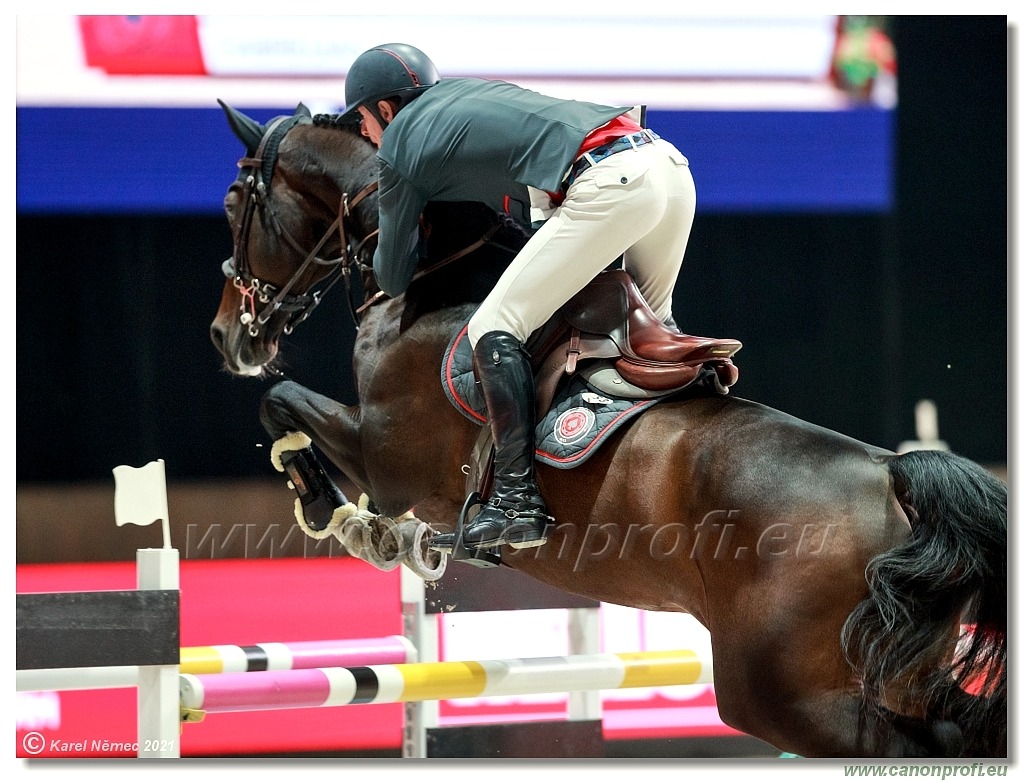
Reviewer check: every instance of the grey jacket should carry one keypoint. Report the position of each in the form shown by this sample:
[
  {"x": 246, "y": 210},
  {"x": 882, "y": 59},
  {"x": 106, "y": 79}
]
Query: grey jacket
[{"x": 471, "y": 140}]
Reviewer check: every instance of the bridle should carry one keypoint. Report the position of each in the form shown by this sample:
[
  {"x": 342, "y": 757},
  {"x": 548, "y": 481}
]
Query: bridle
[{"x": 256, "y": 196}]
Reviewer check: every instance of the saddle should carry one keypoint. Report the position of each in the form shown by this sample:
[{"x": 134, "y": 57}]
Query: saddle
[
  {"x": 637, "y": 355},
  {"x": 604, "y": 358}
]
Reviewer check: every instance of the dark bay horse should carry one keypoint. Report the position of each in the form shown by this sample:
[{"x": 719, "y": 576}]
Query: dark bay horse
[{"x": 856, "y": 599}]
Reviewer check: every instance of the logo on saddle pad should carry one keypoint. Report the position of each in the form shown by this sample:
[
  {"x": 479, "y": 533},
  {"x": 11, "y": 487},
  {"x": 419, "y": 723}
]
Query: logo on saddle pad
[{"x": 573, "y": 425}]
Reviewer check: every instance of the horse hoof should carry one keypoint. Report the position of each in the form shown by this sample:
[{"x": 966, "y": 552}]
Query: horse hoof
[
  {"x": 423, "y": 559},
  {"x": 372, "y": 554}
]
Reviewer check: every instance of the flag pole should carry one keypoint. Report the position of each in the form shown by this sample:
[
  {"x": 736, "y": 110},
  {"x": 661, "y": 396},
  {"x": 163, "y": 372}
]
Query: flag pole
[{"x": 140, "y": 497}]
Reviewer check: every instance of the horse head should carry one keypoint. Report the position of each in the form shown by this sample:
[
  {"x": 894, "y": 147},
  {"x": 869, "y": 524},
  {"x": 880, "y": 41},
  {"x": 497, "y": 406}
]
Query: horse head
[{"x": 301, "y": 213}]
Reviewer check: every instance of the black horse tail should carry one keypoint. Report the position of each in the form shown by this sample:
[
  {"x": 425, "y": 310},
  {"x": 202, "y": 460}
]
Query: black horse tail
[{"x": 904, "y": 639}]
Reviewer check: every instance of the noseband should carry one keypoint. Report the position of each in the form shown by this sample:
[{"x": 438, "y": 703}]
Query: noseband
[{"x": 256, "y": 195}]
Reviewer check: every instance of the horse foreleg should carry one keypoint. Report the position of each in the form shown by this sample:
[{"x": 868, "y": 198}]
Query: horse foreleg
[
  {"x": 331, "y": 426},
  {"x": 298, "y": 419}
]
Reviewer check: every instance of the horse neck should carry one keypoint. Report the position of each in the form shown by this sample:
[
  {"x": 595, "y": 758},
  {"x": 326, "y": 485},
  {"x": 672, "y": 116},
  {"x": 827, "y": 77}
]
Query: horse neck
[{"x": 335, "y": 163}]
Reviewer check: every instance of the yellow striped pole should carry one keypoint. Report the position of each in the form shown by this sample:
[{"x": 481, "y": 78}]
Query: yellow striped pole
[{"x": 411, "y": 682}]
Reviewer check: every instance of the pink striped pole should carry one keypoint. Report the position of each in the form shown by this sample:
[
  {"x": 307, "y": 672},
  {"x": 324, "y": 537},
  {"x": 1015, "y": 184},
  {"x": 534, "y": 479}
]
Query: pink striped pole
[
  {"x": 358, "y": 651},
  {"x": 254, "y": 692}
]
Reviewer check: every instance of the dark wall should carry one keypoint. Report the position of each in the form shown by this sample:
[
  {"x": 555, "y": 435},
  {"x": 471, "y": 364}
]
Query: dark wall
[
  {"x": 115, "y": 363},
  {"x": 953, "y": 265},
  {"x": 847, "y": 320}
]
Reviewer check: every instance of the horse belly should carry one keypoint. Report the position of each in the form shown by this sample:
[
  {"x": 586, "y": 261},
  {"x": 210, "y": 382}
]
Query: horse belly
[{"x": 619, "y": 537}]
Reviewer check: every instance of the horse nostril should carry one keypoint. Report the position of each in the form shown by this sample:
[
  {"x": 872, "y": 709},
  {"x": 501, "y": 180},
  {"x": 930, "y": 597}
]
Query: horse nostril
[{"x": 217, "y": 335}]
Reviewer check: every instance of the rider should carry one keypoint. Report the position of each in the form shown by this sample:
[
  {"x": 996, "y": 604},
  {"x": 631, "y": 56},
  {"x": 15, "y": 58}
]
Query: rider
[{"x": 603, "y": 186}]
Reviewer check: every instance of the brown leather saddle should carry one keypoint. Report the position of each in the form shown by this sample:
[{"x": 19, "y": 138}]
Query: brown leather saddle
[{"x": 609, "y": 320}]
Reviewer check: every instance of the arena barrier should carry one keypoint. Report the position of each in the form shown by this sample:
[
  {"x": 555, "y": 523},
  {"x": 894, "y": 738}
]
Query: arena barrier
[
  {"x": 84, "y": 638},
  {"x": 404, "y": 683},
  {"x": 119, "y": 639}
]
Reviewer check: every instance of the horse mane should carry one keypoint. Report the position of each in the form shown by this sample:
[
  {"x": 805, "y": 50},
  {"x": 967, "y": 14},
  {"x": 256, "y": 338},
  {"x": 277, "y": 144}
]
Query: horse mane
[{"x": 342, "y": 121}]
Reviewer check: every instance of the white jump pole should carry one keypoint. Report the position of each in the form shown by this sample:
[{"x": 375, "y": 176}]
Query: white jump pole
[
  {"x": 584, "y": 639},
  {"x": 228, "y": 658},
  {"x": 422, "y": 636},
  {"x": 61, "y": 679}
]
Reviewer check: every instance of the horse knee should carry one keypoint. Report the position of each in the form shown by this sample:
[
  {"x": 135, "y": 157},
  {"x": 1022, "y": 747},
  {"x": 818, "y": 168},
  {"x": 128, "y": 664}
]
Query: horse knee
[{"x": 276, "y": 408}]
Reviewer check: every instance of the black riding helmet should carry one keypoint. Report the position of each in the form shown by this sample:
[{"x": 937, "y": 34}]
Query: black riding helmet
[{"x": 389, "y": 71}]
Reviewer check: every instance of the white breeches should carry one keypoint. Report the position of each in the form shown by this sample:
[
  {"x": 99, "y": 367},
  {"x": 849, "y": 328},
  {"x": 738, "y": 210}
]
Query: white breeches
[{"x": 638, "y": 204}]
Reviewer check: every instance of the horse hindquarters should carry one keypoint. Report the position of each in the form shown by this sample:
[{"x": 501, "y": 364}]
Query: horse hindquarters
[
  {"x": 952, "y": 571},
  {"x": 910, "y": 690},
  {"x": 780, "y": 669}
]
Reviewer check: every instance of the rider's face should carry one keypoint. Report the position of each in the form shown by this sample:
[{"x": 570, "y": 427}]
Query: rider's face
[{"x": 371, "y": 127}]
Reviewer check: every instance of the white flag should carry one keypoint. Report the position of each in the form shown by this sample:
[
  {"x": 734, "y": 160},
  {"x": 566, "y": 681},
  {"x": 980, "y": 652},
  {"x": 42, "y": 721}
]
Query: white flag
[{"x": 140, "y": 494}]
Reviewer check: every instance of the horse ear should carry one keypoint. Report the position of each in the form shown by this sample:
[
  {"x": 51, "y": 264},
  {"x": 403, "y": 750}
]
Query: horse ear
[
  {"x": 302, "y": 111},
  {"x": 247, "y": 129}
]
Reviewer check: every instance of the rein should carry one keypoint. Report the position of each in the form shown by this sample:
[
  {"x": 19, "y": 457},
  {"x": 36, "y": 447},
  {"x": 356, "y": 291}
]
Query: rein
[{"x": 379, "y": 296}]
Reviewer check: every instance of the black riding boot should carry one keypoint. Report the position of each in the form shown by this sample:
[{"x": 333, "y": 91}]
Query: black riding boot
[{"x": 515, "y": 513}]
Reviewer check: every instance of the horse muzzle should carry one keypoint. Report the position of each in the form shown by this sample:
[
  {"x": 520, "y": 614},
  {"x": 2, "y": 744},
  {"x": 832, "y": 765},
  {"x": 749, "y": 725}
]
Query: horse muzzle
[
  {"x": 240, "y": 353},
  {"x": 243, "y": 353}
]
